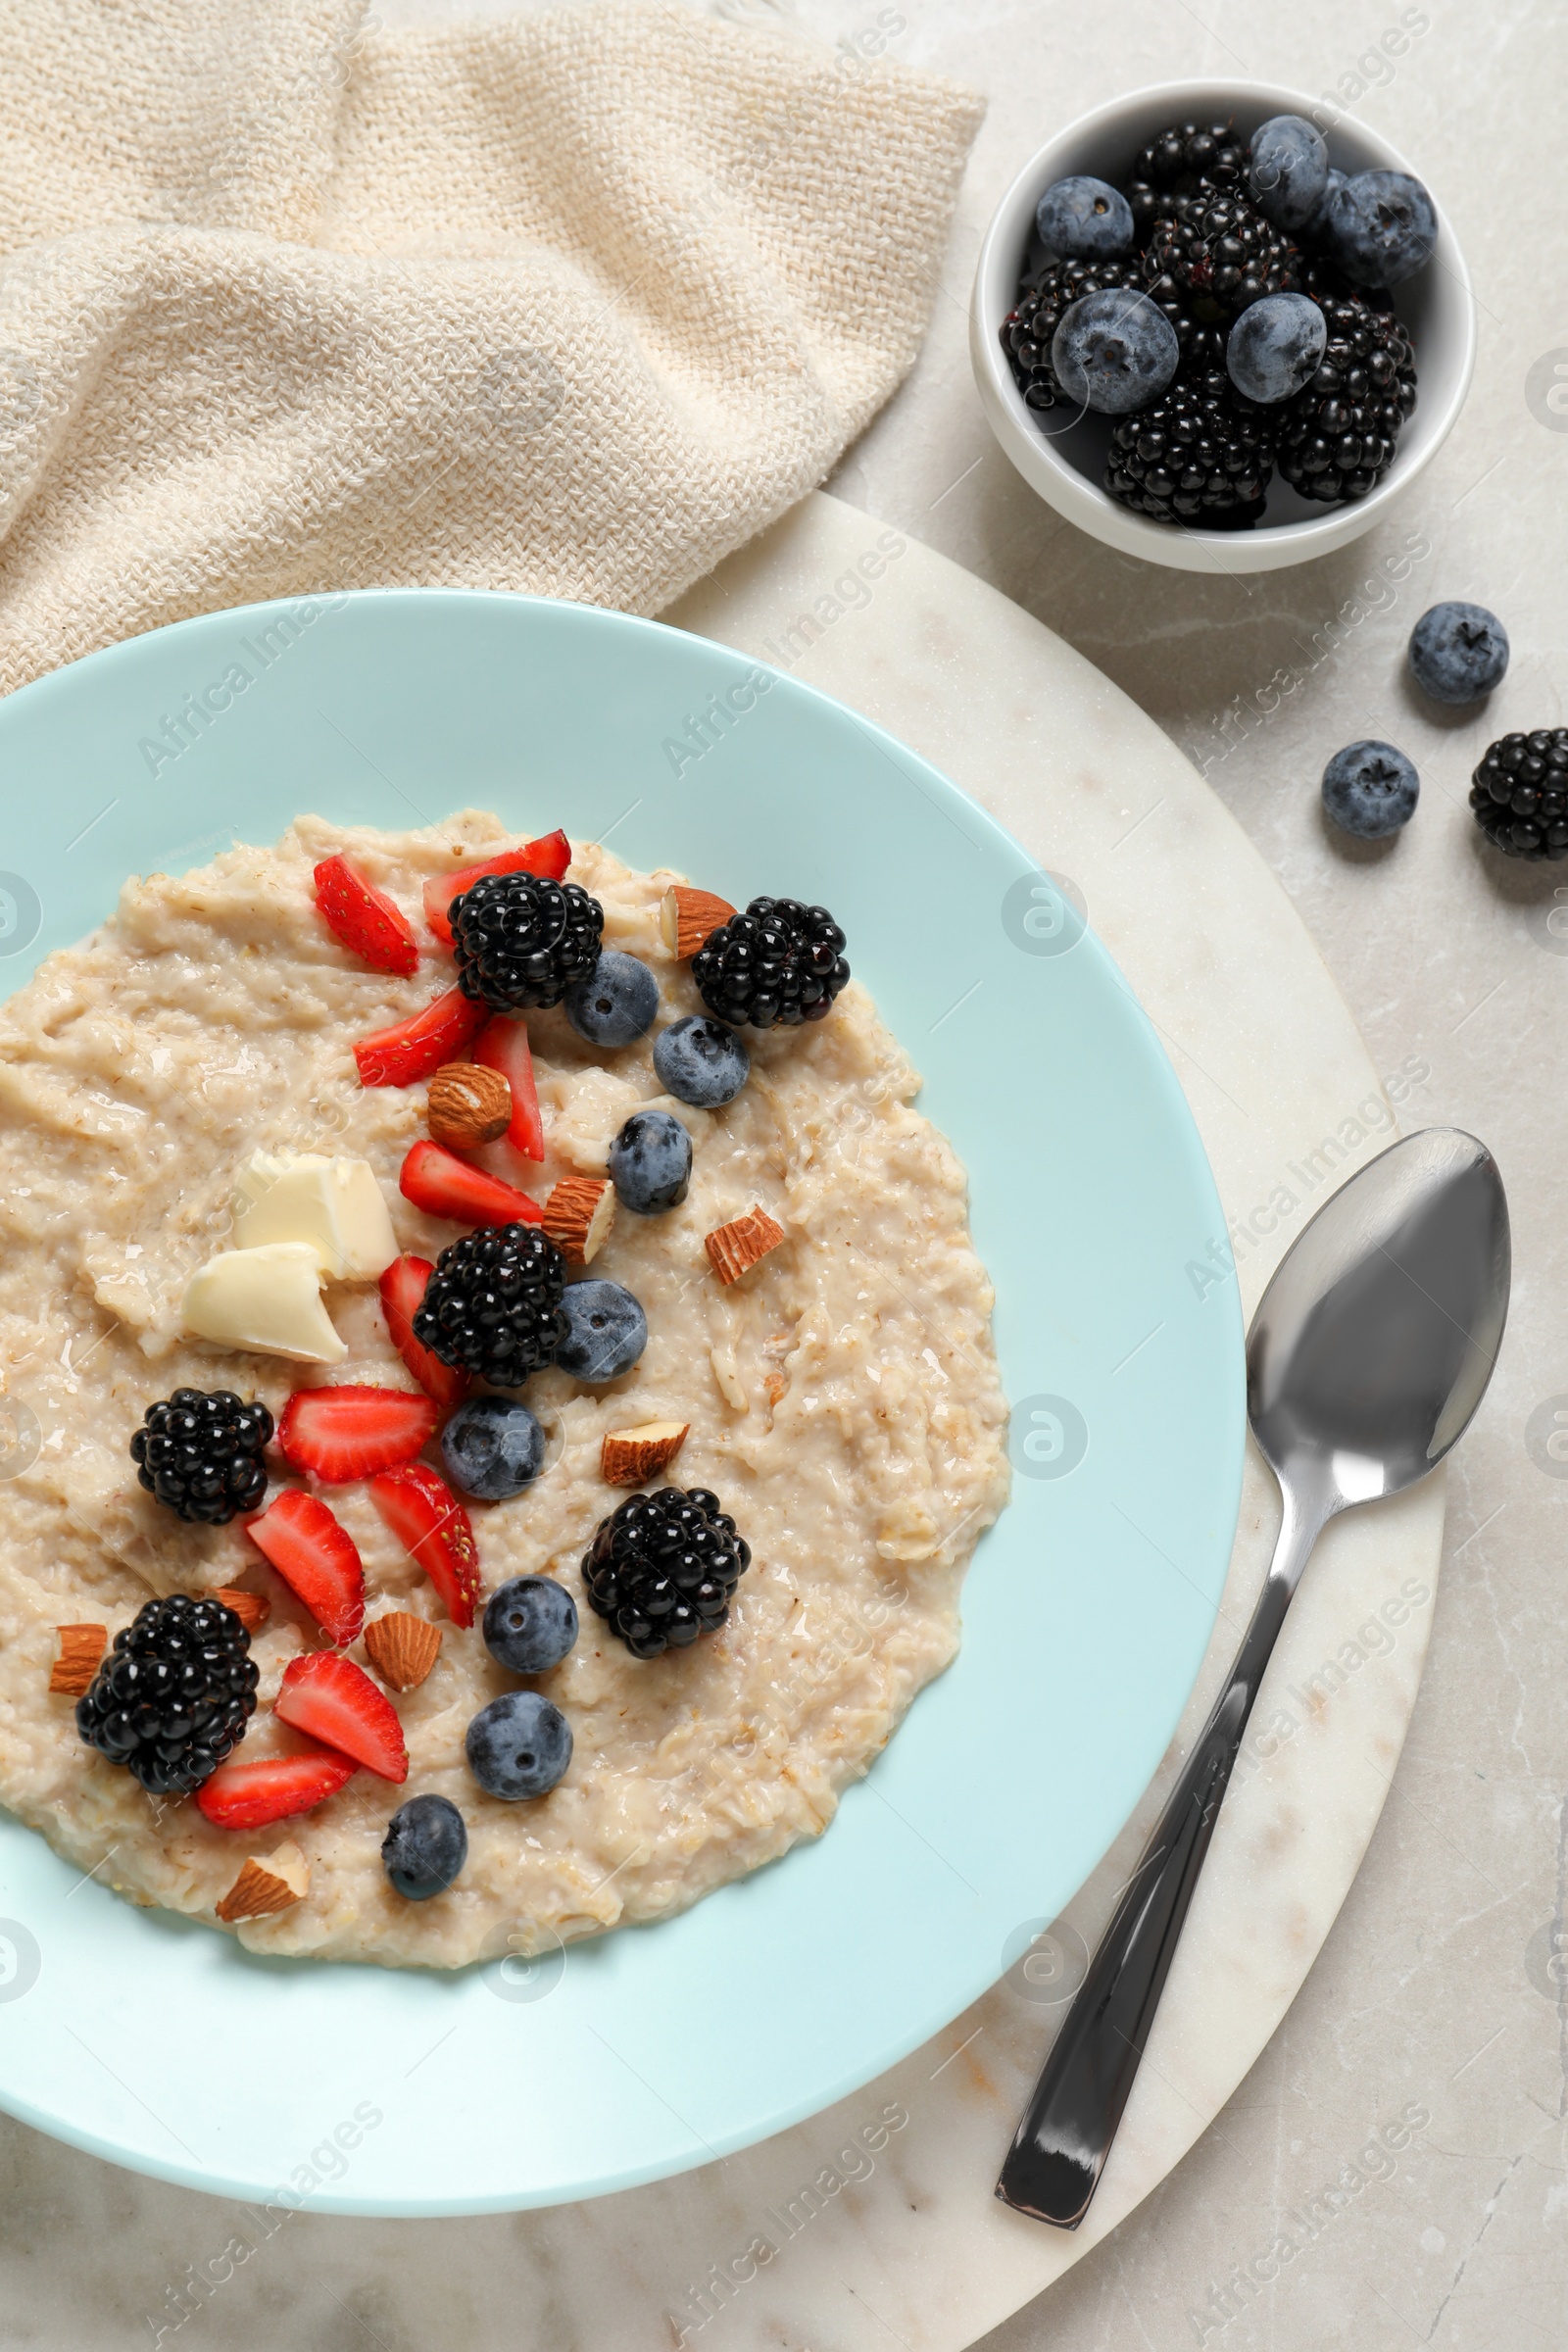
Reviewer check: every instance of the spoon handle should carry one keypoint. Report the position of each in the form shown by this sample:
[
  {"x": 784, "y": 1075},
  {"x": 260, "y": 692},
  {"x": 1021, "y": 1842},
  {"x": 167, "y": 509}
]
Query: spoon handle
[{"x": 1061, "y": 2143}]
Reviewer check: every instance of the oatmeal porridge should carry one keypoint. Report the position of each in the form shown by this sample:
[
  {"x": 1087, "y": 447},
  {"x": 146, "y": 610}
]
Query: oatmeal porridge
[{"x": 602, "y": 1555}]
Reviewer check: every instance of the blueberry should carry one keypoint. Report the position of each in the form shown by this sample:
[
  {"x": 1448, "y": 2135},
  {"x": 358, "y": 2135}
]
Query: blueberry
[
  {"x": 701, "y": 1061},
  {"x": 1289, "y": 169},
  {"x": 518, "y": 1746},
  {"x": 650, "y": 1162},
  {"x": 607, "y": 1331},
  {"x": 1380, "y": 227},
  {"x": 1275, "y": 346},
  {"x": 493, "y": 1448},
  {"x": 424, "y": 1847},
  {"x": 1114, "y": 351},
  {"x": 1458, "y": 651},
  {"x": 530, "y": 1622},
  {"x": 1317, "y": 228},
  {"x": 1080, "y": 220},
  {"x": 1370, "y": 788},
  {"x": 616, "y": 1002}
]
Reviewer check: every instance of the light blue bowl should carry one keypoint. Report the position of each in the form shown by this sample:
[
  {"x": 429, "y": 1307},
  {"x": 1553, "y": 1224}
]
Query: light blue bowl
[{"x": 159, "y": 2043}]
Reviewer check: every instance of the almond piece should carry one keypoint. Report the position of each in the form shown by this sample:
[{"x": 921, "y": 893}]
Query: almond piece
[
  {"x": 629, "y": 1456},
  {"x": 402, "y": 1648},
  {"x": 263, "y": 1887},
  {"x": 735, "y": 1247},
  {"x": 468, "y": 1105},
  {"x": 579, "y": 1212},
  {"x": 253, "y": 1609},
  {"x": 686, "y": 917},
  {"x": 81, "y": 1648}
]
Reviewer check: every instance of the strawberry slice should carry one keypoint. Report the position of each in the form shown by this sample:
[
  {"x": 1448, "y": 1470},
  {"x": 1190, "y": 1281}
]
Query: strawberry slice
[
  {"x": 364, "y": 918},
  {"x": 402, "y": 1295},
  {"x": 550, "y": 855},
  {"x": 316, "y": 1558},
  {"x": 331, "y": 1700},
  {"x": 445, "y": 1186},
  {"x": 431, "y": 1524},
  {"x": 247, "y": 1796},
  {"x": 350, "y": 1432},
  {"x": 503, "y": 1045},
  {"x": 411, "y": 1049}
]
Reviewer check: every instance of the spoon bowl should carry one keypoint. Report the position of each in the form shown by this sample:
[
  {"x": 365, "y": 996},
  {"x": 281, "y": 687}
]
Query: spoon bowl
[{"x": 1373, "y": 1344}]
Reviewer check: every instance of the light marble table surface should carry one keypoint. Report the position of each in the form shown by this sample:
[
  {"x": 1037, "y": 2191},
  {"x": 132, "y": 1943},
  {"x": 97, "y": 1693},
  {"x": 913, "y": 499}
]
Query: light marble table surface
[{"x": 1436, "y": 1989}]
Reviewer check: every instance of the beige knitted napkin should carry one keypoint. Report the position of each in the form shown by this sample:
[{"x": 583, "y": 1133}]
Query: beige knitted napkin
[{"x": 576, "y": 303}]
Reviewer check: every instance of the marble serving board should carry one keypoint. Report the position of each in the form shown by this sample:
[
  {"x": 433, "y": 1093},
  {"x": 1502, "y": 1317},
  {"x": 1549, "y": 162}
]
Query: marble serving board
[{"x": 876, "y": 2222}]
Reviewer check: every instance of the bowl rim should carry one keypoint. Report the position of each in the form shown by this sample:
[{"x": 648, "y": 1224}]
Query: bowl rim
[{"x": 1081, "y": 500}]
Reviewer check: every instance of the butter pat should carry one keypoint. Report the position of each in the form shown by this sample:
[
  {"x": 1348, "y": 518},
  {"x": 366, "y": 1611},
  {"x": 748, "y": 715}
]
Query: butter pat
[
  {"x": 334, "y": 1204},
  {"x": 269, "y": 1299}
]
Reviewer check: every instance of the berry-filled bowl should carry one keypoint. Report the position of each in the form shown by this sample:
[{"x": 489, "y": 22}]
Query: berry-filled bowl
[{"x": 1156, "y": 257}]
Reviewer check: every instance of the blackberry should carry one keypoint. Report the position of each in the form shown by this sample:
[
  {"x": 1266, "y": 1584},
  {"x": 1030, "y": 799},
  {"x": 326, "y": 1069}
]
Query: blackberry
[
  {"x": 1222, "y": 252},
  {"x": 661, "y": 1569},
  {"x": 522, "y": 939},
  {"x": 1325, "y": 283},
  {"x": 1201, "y": 347},
  {"x": 175, "y": 1693},
  {"x": 1519, "y": 794},
  {"x": 201, "y": 1454},
  {"x": 1203, "y": 456},
  {"x": 1338, "y": 435},
  {"x": 778, "y": 961},
  {"x": 1177, "y": 162},
  {"x": 493, "y": 1305},
  {"x": 1027, "y": 332}
]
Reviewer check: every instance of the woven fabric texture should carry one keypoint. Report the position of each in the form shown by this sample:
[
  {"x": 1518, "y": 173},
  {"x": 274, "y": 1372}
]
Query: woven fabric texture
[{"x": 576, "y": 304}]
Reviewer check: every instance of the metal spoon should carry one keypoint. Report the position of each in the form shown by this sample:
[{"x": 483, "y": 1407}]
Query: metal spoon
[{"x": 1368, "y": 1355}]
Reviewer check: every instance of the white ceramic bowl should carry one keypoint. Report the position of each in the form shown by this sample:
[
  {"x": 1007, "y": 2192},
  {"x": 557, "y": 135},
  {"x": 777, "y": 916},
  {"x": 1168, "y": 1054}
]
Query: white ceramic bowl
[{"x": 1436, "y": 305}]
